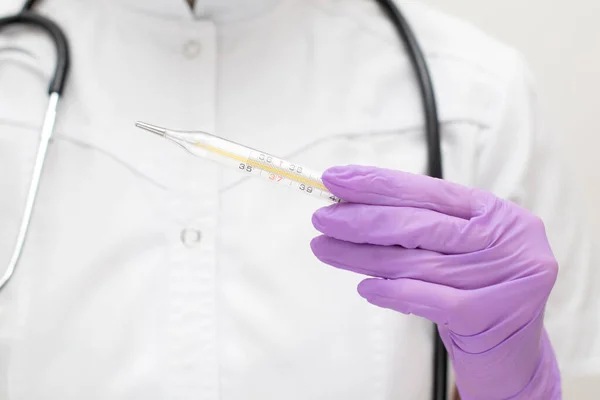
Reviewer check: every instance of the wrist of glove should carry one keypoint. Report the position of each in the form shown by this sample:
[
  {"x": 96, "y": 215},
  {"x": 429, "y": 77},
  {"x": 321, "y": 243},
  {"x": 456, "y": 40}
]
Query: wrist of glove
[
  {"x": 478, "y": 266},
  {"x": 525, "y": 360}
]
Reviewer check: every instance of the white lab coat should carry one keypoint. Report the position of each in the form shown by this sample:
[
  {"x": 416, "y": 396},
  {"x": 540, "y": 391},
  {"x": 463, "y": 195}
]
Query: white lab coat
[{"x": 150, "y": 274}]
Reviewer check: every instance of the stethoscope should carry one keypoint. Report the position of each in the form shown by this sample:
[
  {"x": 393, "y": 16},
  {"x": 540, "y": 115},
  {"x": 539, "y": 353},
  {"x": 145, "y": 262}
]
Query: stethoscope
[{"x": 57, "y": 84}]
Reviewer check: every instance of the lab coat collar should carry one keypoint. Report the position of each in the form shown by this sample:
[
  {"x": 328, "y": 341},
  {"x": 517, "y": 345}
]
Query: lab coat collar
[{"x": 218, "y": 11}]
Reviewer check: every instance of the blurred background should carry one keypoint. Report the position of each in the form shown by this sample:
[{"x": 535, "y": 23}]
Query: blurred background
[{"x": 560, "y": 41}]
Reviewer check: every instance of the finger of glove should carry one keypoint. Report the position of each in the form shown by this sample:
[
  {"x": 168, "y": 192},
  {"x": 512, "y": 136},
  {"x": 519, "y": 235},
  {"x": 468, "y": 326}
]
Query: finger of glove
[
  {"x": 408, "y": 227},
  {"x": 392, "y": 262},
  {"x": 378, "y": 186},
  {"x": 408, "y": 296}
]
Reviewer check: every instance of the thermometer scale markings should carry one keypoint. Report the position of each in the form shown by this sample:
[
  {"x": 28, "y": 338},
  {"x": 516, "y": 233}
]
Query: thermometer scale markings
[{"x": 266, "y": 167}]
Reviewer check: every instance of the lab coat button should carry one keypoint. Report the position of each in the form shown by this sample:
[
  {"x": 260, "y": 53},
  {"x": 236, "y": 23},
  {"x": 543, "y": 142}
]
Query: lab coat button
[
  {"x": 191, "y": 49},
  {"x": 191, "y": 237}
]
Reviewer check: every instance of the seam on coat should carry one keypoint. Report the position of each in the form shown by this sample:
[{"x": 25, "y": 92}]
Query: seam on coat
[{"x": 431, "y": 54}]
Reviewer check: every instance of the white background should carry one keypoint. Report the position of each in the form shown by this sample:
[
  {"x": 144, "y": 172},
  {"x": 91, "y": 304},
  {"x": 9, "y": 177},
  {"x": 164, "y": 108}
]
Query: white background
[{"x": 560, "y": 39}]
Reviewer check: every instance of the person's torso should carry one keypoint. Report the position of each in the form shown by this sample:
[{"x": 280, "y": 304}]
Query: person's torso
[{"x": 151, "y": 274}]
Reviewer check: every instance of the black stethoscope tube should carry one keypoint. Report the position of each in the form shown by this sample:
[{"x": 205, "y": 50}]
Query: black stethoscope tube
[
  {"x": 61, "y": 70},
  {"x": 432, "y": 126}
]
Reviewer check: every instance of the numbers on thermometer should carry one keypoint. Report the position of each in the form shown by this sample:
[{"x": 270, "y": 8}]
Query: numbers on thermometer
[
  {"x": 247, "y": 167},
  {"x": 308, "y": 189},
  {"x": 264, "y": 157},
  {"x": 289, "y": 174},
  {"x": 269, "y": 160},
  {"x": 295, "y": 168},
  {"x": 276, "y": 178}
]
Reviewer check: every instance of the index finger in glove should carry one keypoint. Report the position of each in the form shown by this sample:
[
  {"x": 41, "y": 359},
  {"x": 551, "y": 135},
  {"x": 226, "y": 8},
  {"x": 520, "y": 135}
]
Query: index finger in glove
[{"x": 386, "y": 187}]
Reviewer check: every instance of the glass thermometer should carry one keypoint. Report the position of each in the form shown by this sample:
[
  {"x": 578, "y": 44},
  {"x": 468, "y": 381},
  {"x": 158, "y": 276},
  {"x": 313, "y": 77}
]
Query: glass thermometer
[{"x": 247, "y": 160}]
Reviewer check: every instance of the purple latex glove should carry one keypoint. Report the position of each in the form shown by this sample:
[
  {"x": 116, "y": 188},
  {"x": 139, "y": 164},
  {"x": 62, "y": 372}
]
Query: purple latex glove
[{"x": 478, "y": 266}]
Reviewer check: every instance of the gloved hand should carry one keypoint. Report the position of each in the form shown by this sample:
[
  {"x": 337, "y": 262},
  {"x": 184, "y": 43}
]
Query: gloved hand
[{"x": 478, "y": 266}]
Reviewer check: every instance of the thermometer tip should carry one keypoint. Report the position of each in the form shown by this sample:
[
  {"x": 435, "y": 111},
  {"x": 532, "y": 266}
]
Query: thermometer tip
[{"x": 151, "y": 128}]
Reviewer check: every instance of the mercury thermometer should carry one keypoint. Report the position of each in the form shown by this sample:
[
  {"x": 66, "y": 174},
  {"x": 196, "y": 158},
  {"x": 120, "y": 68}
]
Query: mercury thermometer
[{"x": 247, "y": 160}]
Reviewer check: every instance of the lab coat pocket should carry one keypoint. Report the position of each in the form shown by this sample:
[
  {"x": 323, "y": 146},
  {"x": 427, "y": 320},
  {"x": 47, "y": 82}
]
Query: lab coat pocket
[{"x": 400, "y": 149}]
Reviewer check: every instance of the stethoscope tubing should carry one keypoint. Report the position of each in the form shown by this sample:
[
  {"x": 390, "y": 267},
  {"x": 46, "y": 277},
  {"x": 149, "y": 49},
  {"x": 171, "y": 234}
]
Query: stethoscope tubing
[
  {"x": 55, "y": 89},
  {"x": 63, "y": 59}
]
